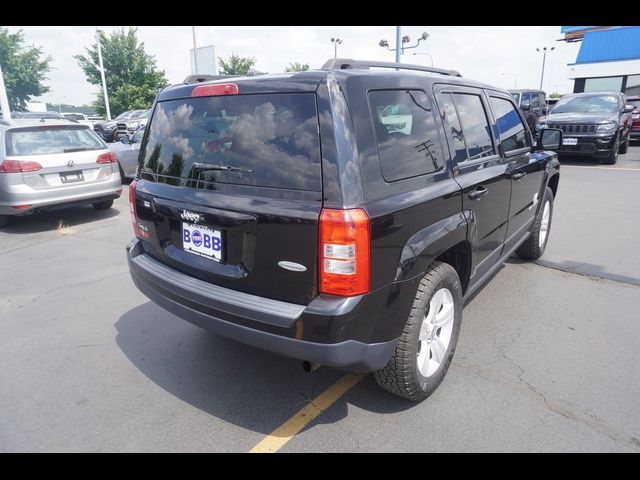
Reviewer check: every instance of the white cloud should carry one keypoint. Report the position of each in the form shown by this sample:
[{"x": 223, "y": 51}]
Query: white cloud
[{"x": 481, "y": 53}]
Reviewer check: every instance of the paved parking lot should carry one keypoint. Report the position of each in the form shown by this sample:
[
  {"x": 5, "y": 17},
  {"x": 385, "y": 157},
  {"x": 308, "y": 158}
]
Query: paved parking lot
[{"x": 548, "y": 358}]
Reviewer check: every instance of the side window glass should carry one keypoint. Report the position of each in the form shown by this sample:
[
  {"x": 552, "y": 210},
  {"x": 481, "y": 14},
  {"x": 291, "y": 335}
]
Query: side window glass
[
  {"x": 406, "y": 133},
  {"x": 513, "y": 134},
  {"x": 452, "y": 123},
  {"x": 534, "y": 100},
  {"x": 526, "y": 100},
  {"x": 137, "y": 137},
  {"x": 475, "y": 125}
]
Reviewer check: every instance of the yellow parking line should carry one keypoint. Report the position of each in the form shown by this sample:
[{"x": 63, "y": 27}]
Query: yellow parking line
[{"x": 285, "y": 432}]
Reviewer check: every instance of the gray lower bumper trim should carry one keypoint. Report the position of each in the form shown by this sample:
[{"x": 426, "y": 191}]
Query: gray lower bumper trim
[{"x": 245, "y": 305}]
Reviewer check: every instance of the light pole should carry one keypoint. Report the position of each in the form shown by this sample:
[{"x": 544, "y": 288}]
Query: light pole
[
  {"x": 336, "y": 42},
  {"x": 400, "y": 41},
  {"x": 4, "y": 101},
  {"x": 195, "y": 52},
  {"x": 515, "y": 78},
  {"x": 104, "y": 82},
  {"x": 428, "y": 55},
  {"x": 544, "y": 58}
]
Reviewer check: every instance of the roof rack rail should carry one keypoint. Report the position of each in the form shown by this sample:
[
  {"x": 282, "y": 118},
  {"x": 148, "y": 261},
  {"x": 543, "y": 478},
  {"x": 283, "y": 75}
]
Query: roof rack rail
[{"x": 347, "y": 63}]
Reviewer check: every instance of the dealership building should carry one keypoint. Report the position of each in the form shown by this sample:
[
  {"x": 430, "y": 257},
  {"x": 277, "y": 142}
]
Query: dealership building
[{"x": 609, "y": 59}]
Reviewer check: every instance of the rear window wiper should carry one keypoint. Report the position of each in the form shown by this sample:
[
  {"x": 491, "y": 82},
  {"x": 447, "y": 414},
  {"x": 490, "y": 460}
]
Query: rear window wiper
[
  {"x": 225, "y": 168},
  {"x": 76, "y": 149}
]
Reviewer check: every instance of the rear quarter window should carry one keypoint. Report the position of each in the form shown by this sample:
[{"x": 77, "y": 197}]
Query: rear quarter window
[{"x": 406, "y": 133}]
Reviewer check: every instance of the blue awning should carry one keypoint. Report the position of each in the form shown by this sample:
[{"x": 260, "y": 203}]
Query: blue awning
[
  {"x": 609, "y": 45},
  {"x": 573, "y": 29}
]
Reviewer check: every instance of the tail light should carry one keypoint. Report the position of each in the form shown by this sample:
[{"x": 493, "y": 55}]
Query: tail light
[
  {"x": 19, "y": 166},
  {"x": 137, "y": 231},
  {"x": 213, "y": 90},
  {"x": 344, "y": 260},
  {"x": 108, "y": 157}
]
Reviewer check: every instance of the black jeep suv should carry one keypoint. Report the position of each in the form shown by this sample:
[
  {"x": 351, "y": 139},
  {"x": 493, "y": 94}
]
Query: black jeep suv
[
  {"x": 340, "y": 216},
  {"x": 595, "y": 124}
]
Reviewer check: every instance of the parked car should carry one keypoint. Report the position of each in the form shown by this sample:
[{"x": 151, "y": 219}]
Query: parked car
[
  {"x": 107, "y": 130},
  {"x": 533, "y": 104},
  {"x": 78, "y": 117},
  {"x": 48, "y": 163},
  {"x": 635, "y": 116},
  {"x": 127, "y": 153},
  {"x": 130, "y": 125},
  {"x": 341, "y": 217},
  {"x": 595, "y": 124}
]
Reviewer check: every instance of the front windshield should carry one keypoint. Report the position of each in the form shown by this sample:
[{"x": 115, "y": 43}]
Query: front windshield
[
  {"x": 587, "y": 104},
  {"x": 123, "y": 115},
  {"x": 516, "y": 98}
]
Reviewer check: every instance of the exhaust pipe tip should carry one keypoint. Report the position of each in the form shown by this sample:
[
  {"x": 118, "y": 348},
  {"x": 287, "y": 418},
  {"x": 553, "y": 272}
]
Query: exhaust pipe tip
[{"x": 310, "y": 366}]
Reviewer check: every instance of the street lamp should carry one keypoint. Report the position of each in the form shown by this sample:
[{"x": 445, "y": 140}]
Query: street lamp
[
  {"x": 515, "y": 78},
  {"x": 400, "y": 42},
  {"x": 428, "y": 55},
  {"x": 104, "y": 82},
  {"x": 336, "y": 42},
  {"x": 544, "y": 58}
]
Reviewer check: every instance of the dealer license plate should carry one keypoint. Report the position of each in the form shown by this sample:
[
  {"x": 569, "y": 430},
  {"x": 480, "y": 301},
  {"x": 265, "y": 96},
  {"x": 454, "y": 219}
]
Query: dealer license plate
[{"x": 203, "y": 241}]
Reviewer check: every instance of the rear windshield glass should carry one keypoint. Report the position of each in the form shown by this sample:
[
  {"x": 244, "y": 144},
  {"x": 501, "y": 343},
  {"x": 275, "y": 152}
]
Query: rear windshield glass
[
  {"x": 52, "y": 139},
  {"x": 258, "y": 140}
]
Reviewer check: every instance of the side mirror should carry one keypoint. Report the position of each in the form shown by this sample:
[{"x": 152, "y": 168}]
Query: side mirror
[
  {"x": 125, "y": 140},
  {"x": 629, "y": 108},
  {"x": 526, "y": 107},
  {"x": 550, "y": 139}
]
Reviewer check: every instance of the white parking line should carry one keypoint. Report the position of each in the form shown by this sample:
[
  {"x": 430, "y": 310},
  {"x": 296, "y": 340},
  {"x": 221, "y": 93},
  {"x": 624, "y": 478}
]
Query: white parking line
[{"x": 602, "y": 168}]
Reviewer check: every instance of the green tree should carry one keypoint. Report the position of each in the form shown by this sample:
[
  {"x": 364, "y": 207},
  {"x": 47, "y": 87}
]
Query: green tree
[
  {"x": 23, "y": 68},
  {"x": 131, "y": 74},
  {"x": 555, "y": 95},
  {"x": 236, "y": 65},
  {"x": 297, "y": 67}
]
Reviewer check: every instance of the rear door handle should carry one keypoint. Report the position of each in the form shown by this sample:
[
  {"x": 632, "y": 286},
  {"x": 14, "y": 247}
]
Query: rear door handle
[
  {"x": 518, "y": 176},
  {"x": 477, "y": 193}
]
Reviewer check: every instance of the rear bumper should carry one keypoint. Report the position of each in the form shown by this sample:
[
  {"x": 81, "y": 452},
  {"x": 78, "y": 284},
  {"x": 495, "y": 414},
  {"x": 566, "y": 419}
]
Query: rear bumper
[
  {"x": 635, "y": 133},
  {"x": 38, "y": 200},
  {"x": 268, "y": 324}
]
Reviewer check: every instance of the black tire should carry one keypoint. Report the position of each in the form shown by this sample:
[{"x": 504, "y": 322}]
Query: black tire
[
  {"x": 624, "y": 148},
  {"x": 613, "y": 155},
  {"x": 401, "y": 375},
  {"x": 531, "y": 249},
  {"x": 4, "y": 221},
  {"x": 103, "y": 205}
]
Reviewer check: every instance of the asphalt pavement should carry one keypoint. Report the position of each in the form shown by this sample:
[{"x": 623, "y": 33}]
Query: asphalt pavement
[{"x": 547, "y": 360}]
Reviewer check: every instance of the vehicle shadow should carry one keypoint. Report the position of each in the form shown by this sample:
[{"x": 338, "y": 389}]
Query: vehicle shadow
[
  {"x": 57, "y": 219},
  {"x": 245, "y": 386}
]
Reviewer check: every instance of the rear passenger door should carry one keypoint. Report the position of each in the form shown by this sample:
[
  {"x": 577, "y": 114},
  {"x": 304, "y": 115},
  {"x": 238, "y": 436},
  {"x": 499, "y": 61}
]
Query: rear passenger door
[
  {"x": 526, "y": 174},
  {"x": 478, "y": 169}
]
